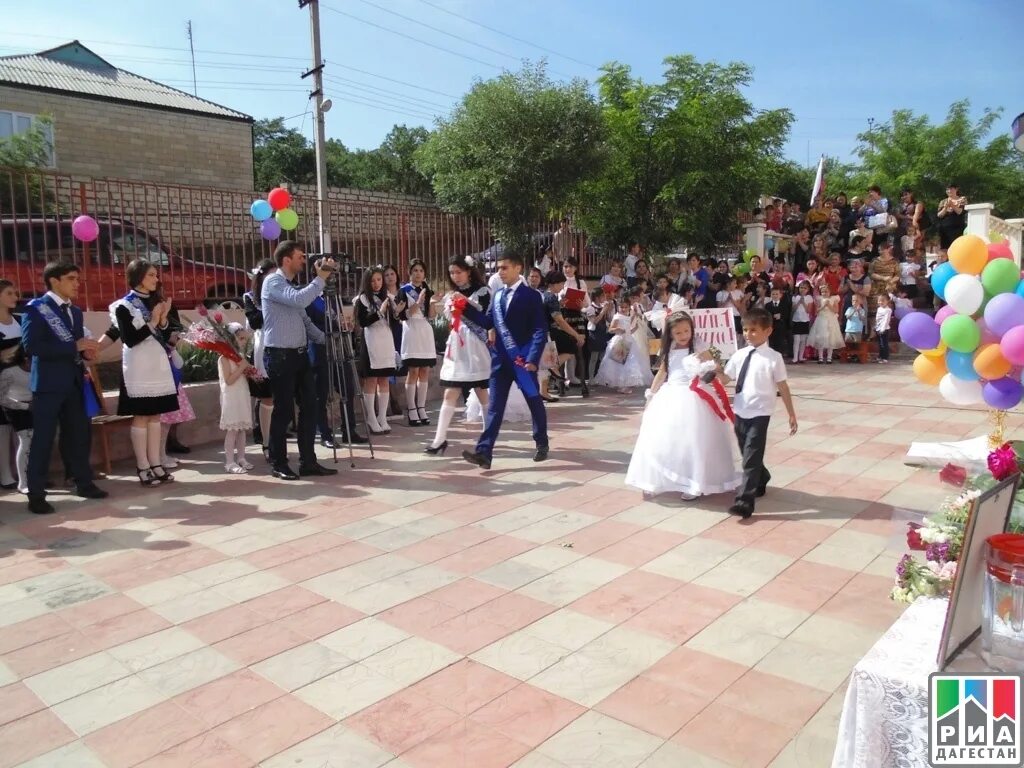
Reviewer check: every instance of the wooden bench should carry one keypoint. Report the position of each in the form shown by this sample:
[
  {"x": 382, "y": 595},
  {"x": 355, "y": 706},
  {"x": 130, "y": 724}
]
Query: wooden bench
[{"x": 103, "y": 422}]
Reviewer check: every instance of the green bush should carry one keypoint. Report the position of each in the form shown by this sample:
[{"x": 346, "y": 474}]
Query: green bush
[
  {"x": 200, "y": 364},
  {"x": 441, "y": 329}
]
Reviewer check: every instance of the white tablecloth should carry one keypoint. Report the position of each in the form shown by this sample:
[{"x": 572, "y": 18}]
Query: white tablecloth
[{"x": 885, "y": 716}]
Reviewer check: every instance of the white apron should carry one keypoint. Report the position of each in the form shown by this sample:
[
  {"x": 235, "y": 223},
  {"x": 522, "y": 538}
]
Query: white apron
[
  {"x": 380, "y": 344},
  {"x": 145, "y": 367},
  {"x": 466, "y": 356}
]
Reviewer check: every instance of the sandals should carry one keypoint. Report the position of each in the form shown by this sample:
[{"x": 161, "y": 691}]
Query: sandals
[
  {"x": 147, "y": 476},
  {"x": 161, "y": 474}
]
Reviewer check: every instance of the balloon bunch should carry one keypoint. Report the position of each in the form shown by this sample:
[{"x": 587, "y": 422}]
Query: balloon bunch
[
  {"x": 273, "y": 214},
  {"x": 743, "y": 268},
  {"x": 973, "y": 349}
]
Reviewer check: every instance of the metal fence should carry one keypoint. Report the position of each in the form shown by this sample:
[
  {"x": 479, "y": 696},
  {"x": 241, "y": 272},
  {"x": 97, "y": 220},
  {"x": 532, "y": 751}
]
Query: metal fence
[{"x": 204, "y": 239}]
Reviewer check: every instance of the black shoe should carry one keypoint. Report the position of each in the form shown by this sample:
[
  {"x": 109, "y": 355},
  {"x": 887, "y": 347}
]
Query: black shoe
[
  {"x": 328, "y": 442},
  {"x": 284, "y": 472},
  {"x": 484, "y": 462},
  {"x": 173, "y": 446},
  {"x": 316, "y": 470},
  {"x": 549, "y": 399},
  {"x": 761, "y": 491},
  {"x": 439, "y": 449},
  {"x": 541, "y": 454},
  {"x": 355, "y": 439},
  {"x": 742, "y": 509},
  {"x": 424, "y": 419},
  {"x": 91, "y": 492},
  {"x": 40, "y": 506},
  {"x": 266, "y": 454},
  {"x": 162, "y": 474},
  {"x": 9, "y": 486},
  {"x": 586, "y": 391}
]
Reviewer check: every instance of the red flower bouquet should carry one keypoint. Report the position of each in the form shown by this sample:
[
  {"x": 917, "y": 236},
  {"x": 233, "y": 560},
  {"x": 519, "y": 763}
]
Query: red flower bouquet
[
  {"x": 1003, "y": 462},
  {"x": 211, "y": 333}
]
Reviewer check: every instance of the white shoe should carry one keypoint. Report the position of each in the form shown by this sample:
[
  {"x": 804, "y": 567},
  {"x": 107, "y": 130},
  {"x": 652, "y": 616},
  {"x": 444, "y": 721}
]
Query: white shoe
[
  {"x": 688, "y": 497},
  {"x": 168, "y": 463},
  {"x": 23, "y": 491},
  {"x": 234, "y": 469},
  {"x": 245, "y": 465}
]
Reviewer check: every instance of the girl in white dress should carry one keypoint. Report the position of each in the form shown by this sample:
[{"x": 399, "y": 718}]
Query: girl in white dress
[
  {"x": 418, "y": 352},
  {"x": 826, "y": 335},
  {"x": 626, "y": 363},
  {"x": 467, "y": 359},
  {"x": 235, "y": 409},
  {"x": 686, "y": 436}
]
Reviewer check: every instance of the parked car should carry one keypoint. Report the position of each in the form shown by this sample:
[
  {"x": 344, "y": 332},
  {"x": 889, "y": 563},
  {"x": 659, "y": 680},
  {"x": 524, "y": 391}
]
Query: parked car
[
  {"x": 27, "y": 244},
  {"x": 541, "y": 241}
]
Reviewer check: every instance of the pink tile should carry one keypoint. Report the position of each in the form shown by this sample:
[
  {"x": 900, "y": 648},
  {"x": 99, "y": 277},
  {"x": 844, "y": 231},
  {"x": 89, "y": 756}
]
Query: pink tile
[
  {"x": 430, "y": 550},
  {"x": 699, "y": 673},
  {"x": 324, "y": 562},
  {"x": 793, "y": 538},
  {"x": 418, "y": 615},
  {"x": 805, "y": 585},
  {"x": 400, "y": 722},
  {"x": 652, "y": 706},
  {"x": 17, "y": 700},
  {"x": 147, "y": 734},
  {"x": 773, "y": 698},
  {"x": 734, "y": 737},
  {"x": 225, "y": 623},
  {"x": 466, "y": 743},
  {"x": 741, "y": 533},
  {"x": 293, "y": 550},
  {"x": 528, "y": 714},
  {"x": 90, "y": 614},
  {"x": 600, "y": 535},
  {"x": 466, "y": 594},
  {"x": 204, "y": 751},
  {"x": 26, "y": 569},
  {"x": 31, "y": 736},
  {"x": 321, "y": 619},
  {"x": 512, "y": 611},
  {"x": 641, "y": 548},
  {"x": 465, "y": 686},
  {"x": 47, "y": 654},
  {"x": 284, "y": 602},
  {"x": 248, "y": 648},
  {"x": 272, "y": 727},
  {"x": 682, "y": 614},
  {"x": 575, "y": 498},
  {"x": 465, "y": 633},
  {"x": 625, "y": 596},
  {"x": 228, "y": 697},
  {"x": 45, "y": 627},
  {"x": 130, "y": 626},
  {"x": 481, "y": 556}
]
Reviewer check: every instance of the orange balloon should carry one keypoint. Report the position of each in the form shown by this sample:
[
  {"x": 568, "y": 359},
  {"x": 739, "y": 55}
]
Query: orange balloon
[
  {"x": 939, "y": 351},
  {"x": 990, "y": 364},
  {"x": 930, "y": 370},
  {"x": 968, "y": 254}
]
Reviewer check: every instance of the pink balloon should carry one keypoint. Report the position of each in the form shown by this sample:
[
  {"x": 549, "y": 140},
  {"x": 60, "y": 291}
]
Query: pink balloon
[
  {"x": 942, "y": 314},
  {"x": 1012, "y": 345},
  {"x": 85, "y": 228},
  {"x": 987, "y": 336},
  {"x": 1000, "y": 250}
]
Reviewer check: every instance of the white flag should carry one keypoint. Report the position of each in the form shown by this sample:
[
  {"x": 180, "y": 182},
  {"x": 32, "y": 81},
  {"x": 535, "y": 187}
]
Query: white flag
[{"x": 819, "y": 181}]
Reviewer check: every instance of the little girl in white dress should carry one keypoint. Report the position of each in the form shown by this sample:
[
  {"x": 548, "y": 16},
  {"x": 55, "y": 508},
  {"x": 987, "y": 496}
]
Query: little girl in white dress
[
  {"x": 626, "y": 363},
  {"x": 826, "y": 335},
  {"x": 686, "y": 436},
  {"x": 235, "y": 407}
]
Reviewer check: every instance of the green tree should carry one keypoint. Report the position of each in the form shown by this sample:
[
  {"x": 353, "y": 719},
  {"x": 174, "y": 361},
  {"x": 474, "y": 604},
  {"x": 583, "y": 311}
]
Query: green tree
[
  {"x": 393, "y": 164},
  {"x": 514, "y": 150},
  {"x": 910, "y": 151},
  {"x": 281, "y": 154},
  {"x": 683, "y": 155},
  {"x": 792, "y": 181},
  {"x": 24, "y": 151}
]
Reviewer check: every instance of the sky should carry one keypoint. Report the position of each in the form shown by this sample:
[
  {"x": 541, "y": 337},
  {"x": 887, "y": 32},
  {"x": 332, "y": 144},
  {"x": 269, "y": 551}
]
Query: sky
[{"x": 834, "y": 64}]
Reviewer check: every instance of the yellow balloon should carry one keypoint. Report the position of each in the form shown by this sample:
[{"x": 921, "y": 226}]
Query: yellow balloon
[
  {"x": 930, "y": 370},
  {"x": 968, "y": 254},
  {"x": 939, "y": 351}
]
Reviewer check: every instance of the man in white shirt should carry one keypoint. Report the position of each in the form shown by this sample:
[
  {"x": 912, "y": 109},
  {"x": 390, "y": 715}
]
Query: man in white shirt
[
  {"x": 634, "y": 255},
  {"x": 760, "y": 374}
]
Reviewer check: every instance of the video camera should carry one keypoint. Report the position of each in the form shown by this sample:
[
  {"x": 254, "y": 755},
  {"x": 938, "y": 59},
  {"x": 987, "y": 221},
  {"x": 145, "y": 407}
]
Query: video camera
[{"x": 346, "y": 276}]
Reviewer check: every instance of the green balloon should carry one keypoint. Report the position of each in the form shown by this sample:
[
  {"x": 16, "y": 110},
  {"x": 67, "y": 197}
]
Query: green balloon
[
  {"x": 960, "y": 333},
  {"x": 287, "y": 218},
  {"x": 741, "y": 269},
  {"x": 1000, "y": 276}
]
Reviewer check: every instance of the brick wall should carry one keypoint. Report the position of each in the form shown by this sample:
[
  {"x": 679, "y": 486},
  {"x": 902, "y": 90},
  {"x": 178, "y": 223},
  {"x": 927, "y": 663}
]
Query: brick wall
[
  {"x": 364, "y": 196},
  {"x": 96, "y": 138}
]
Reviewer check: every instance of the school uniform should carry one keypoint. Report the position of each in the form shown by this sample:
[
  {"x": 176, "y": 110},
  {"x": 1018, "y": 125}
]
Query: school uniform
[
  {"x": 779, "y": 340},
  {"x": 757, "y": 372}
]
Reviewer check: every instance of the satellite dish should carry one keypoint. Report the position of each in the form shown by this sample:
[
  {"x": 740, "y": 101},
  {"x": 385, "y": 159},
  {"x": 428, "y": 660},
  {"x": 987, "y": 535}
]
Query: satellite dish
[{"x": 326, "y": 106}]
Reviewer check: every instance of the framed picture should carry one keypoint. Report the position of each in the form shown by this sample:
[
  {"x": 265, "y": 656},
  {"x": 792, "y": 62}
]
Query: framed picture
[{"x": 990, "y": 514}]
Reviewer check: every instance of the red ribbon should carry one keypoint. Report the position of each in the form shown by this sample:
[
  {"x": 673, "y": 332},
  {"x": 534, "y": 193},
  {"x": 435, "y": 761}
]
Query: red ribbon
[
  {"x": 724, "y": 412},
  {"x": 459, "y": 303}
]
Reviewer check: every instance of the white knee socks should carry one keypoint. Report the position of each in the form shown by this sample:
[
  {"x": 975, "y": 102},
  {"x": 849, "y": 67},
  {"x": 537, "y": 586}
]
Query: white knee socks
[
  {"x": 444, "y": 420},
  {"x": 6, "y": 475},
  {"x": 370, "y": 411},
  {"x": 799, "y": 347},
  {"x": 154, "y": 443},
  {"x": 421, "y": 399},
  {"x": 139, "y": 437},
  {"x": 24, "y": 443},
  {"x": 410, "y": 400},
  {"x": 383, "y": 396},
  {"x": 266, "y": 411}
]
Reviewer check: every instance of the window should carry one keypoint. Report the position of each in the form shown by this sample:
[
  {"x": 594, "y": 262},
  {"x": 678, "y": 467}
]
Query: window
[
  {"x": 127, "y": 245},
  {"x": 13, "y": 123}
]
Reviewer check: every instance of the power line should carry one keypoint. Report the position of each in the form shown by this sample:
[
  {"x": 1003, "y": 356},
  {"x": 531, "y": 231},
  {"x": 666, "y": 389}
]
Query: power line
[
  {"x": 360, "y": 86},
  {"x": 506, "y": 34}
]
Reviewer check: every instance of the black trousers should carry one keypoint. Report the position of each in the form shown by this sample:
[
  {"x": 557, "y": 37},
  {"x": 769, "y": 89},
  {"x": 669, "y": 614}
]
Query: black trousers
[
  {"x": 883, "y": 345},
  {"x": 66, "y": 409},
  {"x": 752, "y": 435},
  {"x": 321, "y": 372},
  {"x": 291, "y": 381}
]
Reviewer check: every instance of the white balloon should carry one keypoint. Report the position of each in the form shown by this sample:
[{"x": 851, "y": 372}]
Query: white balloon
[
  {"x": 959, "y": 391},
  {"x": 965, "y": 293}
]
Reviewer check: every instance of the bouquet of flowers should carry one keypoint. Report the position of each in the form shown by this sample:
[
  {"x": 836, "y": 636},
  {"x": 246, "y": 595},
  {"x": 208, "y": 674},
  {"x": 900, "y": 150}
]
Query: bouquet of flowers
[{"x": 211, "y": 333}]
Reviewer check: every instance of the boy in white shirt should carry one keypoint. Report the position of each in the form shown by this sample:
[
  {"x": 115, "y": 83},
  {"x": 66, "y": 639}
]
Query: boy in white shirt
[
  {"x": 883, "y": 321},
  {"x": 760, "y": 374}
]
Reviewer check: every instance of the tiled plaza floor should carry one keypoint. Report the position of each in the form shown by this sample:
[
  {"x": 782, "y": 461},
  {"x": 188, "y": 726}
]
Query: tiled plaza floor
[{"x": 418, "y": 613}]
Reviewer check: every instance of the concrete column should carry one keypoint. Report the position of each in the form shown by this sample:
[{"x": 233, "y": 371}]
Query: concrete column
[{"x": 755, "y": 238}]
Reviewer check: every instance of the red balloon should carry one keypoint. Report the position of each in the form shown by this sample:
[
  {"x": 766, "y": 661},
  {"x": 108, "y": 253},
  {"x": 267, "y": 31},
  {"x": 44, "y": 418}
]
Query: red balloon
[
  {"x": 1000, "y": 250},
  {"x": 279, "y": 198}
]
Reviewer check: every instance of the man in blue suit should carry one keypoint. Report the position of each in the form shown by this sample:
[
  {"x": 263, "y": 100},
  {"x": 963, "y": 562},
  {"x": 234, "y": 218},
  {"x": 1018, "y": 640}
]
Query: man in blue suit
[
  {"x": 55, "y": 338},
  {"x": 517, "y": 332}
]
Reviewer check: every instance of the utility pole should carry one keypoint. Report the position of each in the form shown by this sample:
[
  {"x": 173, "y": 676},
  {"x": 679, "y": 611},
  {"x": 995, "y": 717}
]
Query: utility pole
[
  {"x": 191, "y": 48},
  {"x": 319, "y": 136}
]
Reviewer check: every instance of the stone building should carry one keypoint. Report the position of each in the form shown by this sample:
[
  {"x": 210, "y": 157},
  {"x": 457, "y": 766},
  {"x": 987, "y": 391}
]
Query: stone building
[{"x": 111, "y": 123}]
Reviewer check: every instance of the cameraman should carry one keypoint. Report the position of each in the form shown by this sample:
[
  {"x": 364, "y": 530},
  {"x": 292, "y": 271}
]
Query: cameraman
[
  {"x": 287, "y": 333},
  {"x": 345, "y": 381}
]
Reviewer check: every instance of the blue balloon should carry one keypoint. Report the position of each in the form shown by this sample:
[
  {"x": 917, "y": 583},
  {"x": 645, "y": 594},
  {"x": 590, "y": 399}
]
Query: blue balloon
[
  {"x": 1020, "y": 288},
  {"x": 942, "y": 275},
  {"x": 961, "y": 365},
  {"x": 261, "y": 210}
]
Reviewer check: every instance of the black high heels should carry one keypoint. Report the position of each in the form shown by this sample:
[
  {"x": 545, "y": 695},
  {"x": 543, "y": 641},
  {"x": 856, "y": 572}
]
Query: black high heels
[{"x": 439, "y": 449}]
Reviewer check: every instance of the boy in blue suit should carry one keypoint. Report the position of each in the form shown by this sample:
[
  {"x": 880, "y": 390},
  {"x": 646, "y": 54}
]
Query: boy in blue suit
[
  {"x": 517, "y": 332},
  {"x": 55, "y": 338}
]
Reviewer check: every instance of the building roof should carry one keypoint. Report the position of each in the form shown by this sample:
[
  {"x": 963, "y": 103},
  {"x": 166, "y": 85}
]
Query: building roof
[{"x": 75, "y": 70}]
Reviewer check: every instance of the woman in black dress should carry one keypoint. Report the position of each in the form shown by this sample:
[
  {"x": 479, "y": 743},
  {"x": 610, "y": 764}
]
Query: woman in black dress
[
  {"x": 375, "y": 312},
  {"x": 419, "y": 352},
  {"x": 10, "y": 342},
  {"x": 148, "y": 388},
  {"x": 260, "y": 390}
]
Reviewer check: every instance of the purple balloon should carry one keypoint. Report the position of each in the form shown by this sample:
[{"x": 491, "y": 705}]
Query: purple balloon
[
  {"x": 1002, "y": 394},
  {"x": 85, "y": 228},
  {"x": 1004, "y": 312},
  {"x": 987, "y": 337},
  {"x": 920, "y": 331},
  {"x": 270, "y": 229},
  {"x": 943, "y": 313}
]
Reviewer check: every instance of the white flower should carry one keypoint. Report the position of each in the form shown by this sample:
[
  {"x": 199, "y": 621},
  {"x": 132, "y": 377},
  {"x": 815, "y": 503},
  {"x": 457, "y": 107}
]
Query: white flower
[
  {"x": 948, "y": 571},
  {"x": 471, "y": 261}
]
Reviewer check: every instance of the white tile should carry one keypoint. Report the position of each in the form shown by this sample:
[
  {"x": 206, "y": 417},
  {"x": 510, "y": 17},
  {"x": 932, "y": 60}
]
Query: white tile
[
  {"x": 188, "y": 607},
  {"x": 411, "y": 660},
  {"x": 107, "y": 704},
  {"x": 556, "y": 527},
  {"x": 78, "y": 677},
  {"x": 189, "y": 671},
  {"x": 520, "y": 655},
  {"x": 348, "y": 691},
  {"x": 156, "y": 648},
  {"x": 548, "y": 558},
  {"x": 337, "y": 584},
  {"x": 161, "y": 591},
  {"x": 745, "y": 572},
  {"x": 398, "y": 517},
  {"x": 671, "y": 755},
  {"x": 253, "y": 585},
  {"x": 364, "y": 638},
  {"x": 337, "y": 747},
  {"x": 73, "y": 755},
  {"x": 510, "y": 575},
  {"x": 218, "y": 573},
  {"x": 514, "y": 519},
  {"x": 301, "y": 665},
  {"x": 7, "y": 675},
  {"x": 690, "y": 559},
  {"x": 573, "y": 581},
  {"x": 21, "y": 610},
  {"x": 568, "y": 628},
  {"x": 596, "y": 741}
]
